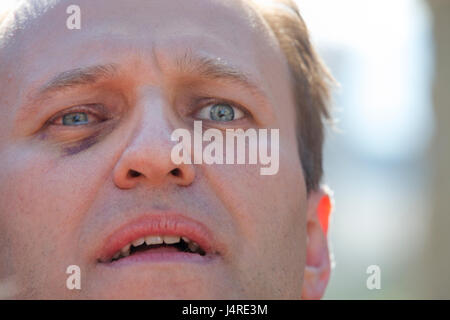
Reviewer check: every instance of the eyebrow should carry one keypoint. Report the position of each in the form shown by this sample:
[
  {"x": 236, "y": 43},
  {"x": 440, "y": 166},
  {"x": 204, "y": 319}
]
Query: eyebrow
[
  {"x": 216, "y": 69},
  {"x": 64, "y": 80},
  {"x": 188, "y": 64},
  {"x": 79, "y": 77},
  {"x": 204, "y": 67}
]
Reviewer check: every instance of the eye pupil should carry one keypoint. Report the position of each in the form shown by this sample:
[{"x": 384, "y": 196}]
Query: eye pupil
[
  {"x": 222, "y": 112},
  {"x": 74, "y": 119}
]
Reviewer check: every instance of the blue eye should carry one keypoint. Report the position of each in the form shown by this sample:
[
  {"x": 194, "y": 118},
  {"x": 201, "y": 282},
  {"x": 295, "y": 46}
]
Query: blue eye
[
  {"x": 75, "y": 119},
  {"x": 221, "y": 112}
]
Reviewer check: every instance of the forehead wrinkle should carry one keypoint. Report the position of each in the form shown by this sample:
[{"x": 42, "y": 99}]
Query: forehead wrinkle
[
  {"x": 209, "y": 68},
  {"x": 215, "y": 69}
]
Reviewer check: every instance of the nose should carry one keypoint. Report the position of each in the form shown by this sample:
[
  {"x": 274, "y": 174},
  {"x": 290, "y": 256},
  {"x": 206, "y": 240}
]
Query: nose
[{"x": 147, "y": 157}]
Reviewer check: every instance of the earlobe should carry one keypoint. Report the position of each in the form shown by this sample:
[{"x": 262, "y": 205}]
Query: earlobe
[{"x": 318, "y": 265}]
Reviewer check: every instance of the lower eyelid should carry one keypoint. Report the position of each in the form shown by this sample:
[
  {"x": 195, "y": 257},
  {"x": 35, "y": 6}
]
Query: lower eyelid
[
  {"x": 67, "y": 134},
  {"x": 68, "y": 138},
  {"x": 70, "y": 134}
]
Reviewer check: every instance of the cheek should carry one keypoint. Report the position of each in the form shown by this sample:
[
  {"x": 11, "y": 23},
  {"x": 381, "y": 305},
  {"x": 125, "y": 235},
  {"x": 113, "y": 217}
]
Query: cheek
[
  {"x": 268, "y": 213},
  {"x": 42, "y": 202}
]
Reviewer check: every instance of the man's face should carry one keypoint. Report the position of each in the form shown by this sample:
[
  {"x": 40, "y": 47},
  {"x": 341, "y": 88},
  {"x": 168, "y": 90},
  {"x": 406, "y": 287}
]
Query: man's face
[{"x": 73, "y": 194}]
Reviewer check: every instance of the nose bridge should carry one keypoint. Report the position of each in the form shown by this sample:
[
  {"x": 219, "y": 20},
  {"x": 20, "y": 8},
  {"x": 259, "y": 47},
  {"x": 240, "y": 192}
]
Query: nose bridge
[
  {"x": 149, "y": 148},
  {"x": 147, "y": 155},
  {"x": 154, "y": 128}
]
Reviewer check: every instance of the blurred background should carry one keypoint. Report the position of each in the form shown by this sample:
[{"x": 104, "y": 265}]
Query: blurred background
[{"x": 388, "y": 159}]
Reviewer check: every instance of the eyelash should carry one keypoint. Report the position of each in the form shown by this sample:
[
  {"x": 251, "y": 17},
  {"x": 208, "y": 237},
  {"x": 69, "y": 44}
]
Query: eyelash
[
  {"x": 211, "y": 102},
  {"x": 88, "y": 109}
]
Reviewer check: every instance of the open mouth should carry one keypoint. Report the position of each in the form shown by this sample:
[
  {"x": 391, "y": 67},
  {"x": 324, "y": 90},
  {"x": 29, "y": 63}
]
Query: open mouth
[
  {"x": 160, "y": 237},
  {"x": 158, "y": 244}
]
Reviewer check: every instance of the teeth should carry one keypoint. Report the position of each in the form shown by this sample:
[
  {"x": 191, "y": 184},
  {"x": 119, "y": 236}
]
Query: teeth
[
  {"x": 171, "y": 239},
  {"x": 153, "y": 240},
  {"x": 193, "y": 246},
  {"x": 138, "y": 242},
  {"x": 125, "y": 249}
]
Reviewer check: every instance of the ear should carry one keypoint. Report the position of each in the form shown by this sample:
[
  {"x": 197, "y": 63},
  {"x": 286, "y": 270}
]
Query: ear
[{"x": 318, "y": 265}]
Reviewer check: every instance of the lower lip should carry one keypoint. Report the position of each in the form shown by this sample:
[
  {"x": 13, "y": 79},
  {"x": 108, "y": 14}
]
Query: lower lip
[{"x": 159, "y": 255}]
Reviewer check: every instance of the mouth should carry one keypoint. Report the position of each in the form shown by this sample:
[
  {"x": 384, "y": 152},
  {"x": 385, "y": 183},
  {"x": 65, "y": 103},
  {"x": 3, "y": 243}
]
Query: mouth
[
  {"x": 159, "y": 244},
  {"x": 159, "y": 238}
]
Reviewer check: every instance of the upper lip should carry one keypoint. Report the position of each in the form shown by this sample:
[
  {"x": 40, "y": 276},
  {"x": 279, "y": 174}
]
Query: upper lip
[{"x": 158, "y": 224}]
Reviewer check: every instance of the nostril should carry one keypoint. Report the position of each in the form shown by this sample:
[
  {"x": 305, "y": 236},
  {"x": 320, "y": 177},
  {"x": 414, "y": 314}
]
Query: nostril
[
  {"x": 133, "y": 173},
  {"x": 176, "y": 172}
]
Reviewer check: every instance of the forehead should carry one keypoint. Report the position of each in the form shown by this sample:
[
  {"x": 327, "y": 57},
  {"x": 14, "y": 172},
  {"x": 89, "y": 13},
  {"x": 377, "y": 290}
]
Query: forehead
[
  {"x": 145, "y": 39},
  {"x": 114, "y": 31}
]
